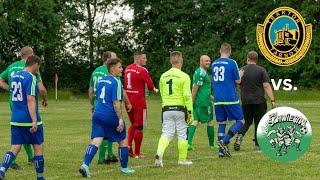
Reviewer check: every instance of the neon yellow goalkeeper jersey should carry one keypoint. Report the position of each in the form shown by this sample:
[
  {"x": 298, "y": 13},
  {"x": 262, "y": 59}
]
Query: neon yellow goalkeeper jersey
[{"x": 175, "y": 89}]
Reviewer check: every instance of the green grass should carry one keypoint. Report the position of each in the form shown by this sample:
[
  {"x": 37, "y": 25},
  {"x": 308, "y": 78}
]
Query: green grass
[{"x": 67, "y": 133}]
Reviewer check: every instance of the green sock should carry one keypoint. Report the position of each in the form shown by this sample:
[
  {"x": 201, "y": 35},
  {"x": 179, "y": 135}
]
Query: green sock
[
  {"x": 183, "y": 149},
  {"x": 102, "y": 151},
  {"x": 13, "y": 161},
  {"x": 191, "y": 131},
  {"x": 210, "y": 132},
  {"x": 163, "y": 144},
  {"x": 28, "y": 149},
  {"x": 109, "y": 148}
]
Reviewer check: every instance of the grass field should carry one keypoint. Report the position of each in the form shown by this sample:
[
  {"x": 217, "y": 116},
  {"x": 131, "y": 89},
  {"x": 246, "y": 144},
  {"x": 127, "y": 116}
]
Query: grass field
[{"x": 67, "y": 133}]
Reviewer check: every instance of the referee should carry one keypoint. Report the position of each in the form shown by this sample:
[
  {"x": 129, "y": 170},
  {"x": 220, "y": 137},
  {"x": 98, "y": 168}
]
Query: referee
[
  {"x": 176, "y": 98},
  {"x": 255, "y": 83}
]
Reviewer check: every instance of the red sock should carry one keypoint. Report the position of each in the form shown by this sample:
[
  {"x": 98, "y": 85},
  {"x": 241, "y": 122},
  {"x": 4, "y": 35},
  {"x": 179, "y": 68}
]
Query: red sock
[
  {"x": 138, "y": 135},
  {"x": 130, "y": 135}
]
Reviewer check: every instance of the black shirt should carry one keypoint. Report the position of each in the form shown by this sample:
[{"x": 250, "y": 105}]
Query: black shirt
[{"x": 252, "y": 91}]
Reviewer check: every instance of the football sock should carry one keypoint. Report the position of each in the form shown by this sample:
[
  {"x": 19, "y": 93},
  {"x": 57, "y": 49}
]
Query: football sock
[
  {"x": 39, "y": 165},
  {"x": 191, "y": 131},
  {"x": 130, "y": 135},
  {"x": 123, "y": 155},
  {"x": 233, "y": 130},
  {"x": 102, "y": 150},
  {"x": 138, "y": 135},
  {"x": 183, "y": 149},
  {"x": 221, "y": 131},
  {"x": 109, "y": 148},
  {"x": 163, "y": 144},
  {"x": 7, "y": 159},
  {"x": 210, "y": 133},
  {"x": 28, "y": 149},
  {"x": 90, "y": 152}
]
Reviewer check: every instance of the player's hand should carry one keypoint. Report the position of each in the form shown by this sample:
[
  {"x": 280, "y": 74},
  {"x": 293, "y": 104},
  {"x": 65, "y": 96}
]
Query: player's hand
[
  {"x": 121, "y": 126},
  {"x": 34, "y": 127},
  {"x": 273, "y": 104},
  {"x": 189, "y": 118},
  {"x": 128, "y": 107},
  {"x": 44, "y": 103},
  {"x": 241, "y": 72},
  {"x": 155, "y": 90},
  {"x": 212, "y": 98}
]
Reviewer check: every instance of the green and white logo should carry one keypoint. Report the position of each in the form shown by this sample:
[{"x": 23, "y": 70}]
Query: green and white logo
[{"x": 284, "y": 134}]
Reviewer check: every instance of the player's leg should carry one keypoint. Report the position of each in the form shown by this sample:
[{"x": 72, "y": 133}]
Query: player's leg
[
  {"x": 89, "y": 155},
  {"x": 139, "y": 118},
  {"x": 8, "y": 158},
  {"x": 221, "y": 117},
  {"x": 39, "y": 161},
  {"x": 208, "y": 117},
  {"x": 102, "y": 152},
  {"x": 248, "y": 112},
  {"x": 192, "y": 127},
  {"x": 28, "y": 149},
  {"x": 168, "y": 130},
  {"x": 111, "y": 157},
  {"x": 123, "y": 155},
  {"x": 259, "y": 112},
  {"x": 131, "y": 132},
  {"x": 181, "y": 128}
]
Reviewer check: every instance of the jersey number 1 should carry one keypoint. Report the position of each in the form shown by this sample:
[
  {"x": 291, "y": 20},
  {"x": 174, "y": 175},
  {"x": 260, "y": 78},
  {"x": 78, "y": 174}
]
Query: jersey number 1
[
  {"x": 17, "y": 91},
  {"x": 170, "y": 86}
]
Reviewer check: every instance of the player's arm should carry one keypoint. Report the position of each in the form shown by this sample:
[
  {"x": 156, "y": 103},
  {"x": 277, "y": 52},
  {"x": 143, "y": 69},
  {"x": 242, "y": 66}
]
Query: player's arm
[
  {"x": 31, "y": 102},
  {"x": 147, "y": 78},
  {"x": 116, "y": 93},
  {"x": 195, "y": 89},
  {"x": 91, "y": 91},
  {"x": 126, "y": 101},
  {"x": 187, "y": 94},
  {"x": 268, "y": 90},
  {"x": 236, "y": 73},
  {"x": 42, "y": 89},
  {"x": 198, "y": 81},
  {"x": 3, "y": 78}
]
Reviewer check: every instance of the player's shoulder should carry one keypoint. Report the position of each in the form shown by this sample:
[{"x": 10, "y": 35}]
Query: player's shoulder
[{"x": 200, "y": 72}]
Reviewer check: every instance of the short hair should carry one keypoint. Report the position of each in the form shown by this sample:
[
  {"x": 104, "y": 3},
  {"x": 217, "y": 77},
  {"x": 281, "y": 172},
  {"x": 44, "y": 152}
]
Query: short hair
[
  {"x": 138, "y": 53},
  {"x": 175, "y": 57},
  {"x": 225, "y": 48},
  {"x": 33, "y": 59},
  {"x": 107, "y": 55},
  {"x": 25, "y": 50},
  {"x": 252, "y": 56},
  {"x": 112, "y": 62}
]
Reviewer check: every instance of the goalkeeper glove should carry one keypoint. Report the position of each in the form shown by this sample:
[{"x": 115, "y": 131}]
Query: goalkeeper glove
[{"x": 189, "y": 118}]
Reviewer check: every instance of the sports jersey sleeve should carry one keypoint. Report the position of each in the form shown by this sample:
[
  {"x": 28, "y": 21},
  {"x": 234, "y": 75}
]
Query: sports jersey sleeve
[
  {"x": 31, "y": 86},
  {"x": 146, "y": 77},
  {"x": 198, "y": 78},
  {"x": 117, "y": 91},
  {"x": 187, "y": 93},
  {"x": 4, "y": 75},
  {"x": 91, "y": 84},
  {"x": 38, "y": 77},
  {"x": 235, "y": 72}
]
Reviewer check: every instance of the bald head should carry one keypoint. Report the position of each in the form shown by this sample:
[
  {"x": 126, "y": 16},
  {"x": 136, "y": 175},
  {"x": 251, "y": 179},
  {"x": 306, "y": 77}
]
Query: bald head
[
  {"x": 25, "y": 52},
  {"x": 205, "y": 61}
]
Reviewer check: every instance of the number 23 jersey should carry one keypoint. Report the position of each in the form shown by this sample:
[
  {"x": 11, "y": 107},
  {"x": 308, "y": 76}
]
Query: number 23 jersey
[{"x": 224, "y": 74}]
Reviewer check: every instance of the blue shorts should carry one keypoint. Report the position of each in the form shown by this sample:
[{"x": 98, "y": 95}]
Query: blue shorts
[
  {"x": 228, "y": 112},
  {"x": 106, "y": 127},
  {"x": 22, "y": 135}
]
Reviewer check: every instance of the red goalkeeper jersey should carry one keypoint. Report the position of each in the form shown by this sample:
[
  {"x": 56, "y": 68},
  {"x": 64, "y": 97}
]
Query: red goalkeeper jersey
[{"x": 135, "y": 80}]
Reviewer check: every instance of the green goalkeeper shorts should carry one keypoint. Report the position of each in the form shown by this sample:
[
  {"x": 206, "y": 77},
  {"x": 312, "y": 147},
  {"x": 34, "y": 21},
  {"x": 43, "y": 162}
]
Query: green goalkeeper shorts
[{"x": 203, "y": 114}]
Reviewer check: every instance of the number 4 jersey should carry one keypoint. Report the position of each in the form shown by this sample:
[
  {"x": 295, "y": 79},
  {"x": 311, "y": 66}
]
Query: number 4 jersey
[
  {"x": 135, "y": 80},
  {"x": 224, "y": 74},
  {"x": 23, "y": 84}
]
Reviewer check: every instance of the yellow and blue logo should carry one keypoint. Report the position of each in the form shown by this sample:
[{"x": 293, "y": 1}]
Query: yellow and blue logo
[{"x": 284, "y": 38}]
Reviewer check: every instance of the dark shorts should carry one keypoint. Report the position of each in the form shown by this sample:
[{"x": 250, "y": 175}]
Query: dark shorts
[
  {"x": 228, "y": 112},
  {"x": 22, "y": 135},
  {"x": 106, "y": 127}
]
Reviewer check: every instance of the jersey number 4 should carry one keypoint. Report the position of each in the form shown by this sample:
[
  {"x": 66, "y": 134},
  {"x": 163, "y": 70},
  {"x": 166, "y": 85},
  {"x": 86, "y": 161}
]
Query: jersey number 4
[
  {"x": 17, "y": 91},
  {"x": 218, "y": 73}
]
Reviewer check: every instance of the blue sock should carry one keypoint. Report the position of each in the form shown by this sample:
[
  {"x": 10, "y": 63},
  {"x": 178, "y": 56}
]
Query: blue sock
[
  {"x": 221, "y": 131},
  {"x": 233, "y": 130},
  {"x": 123, "y": 155},
  {"x": 39, "y": 165},
  {"x": 90, "y": 152},
  {"x": 7, "y": 159}
]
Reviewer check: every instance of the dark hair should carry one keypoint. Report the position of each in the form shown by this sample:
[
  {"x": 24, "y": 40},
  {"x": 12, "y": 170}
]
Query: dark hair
[
  {"x": 253, "y": 56},
  {"x": 107, "y": 55},
  {"x": 33, "y": 59},
  {"x": 138, "y": 53},
  {"x": 112, "y": 62}
]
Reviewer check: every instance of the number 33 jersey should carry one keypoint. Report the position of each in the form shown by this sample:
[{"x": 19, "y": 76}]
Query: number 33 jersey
[
  {"x": 23, "y": 84},
  {"x": 135, "y": 80},
  {"x": 224, "y": 74}
]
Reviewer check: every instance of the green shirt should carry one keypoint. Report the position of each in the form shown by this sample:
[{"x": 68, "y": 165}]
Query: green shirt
[
  {"x": 11, "y": 70},
  {"x": 202, "y": 79},
  {"x": 175, "y": 90},
  {"x": 96, "y": 75}
]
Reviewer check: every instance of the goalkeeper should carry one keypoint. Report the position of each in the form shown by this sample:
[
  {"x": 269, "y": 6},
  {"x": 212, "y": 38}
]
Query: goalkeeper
[
  {"x": 202, "y": 105},
  {"x": 176, "y": 109}
]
